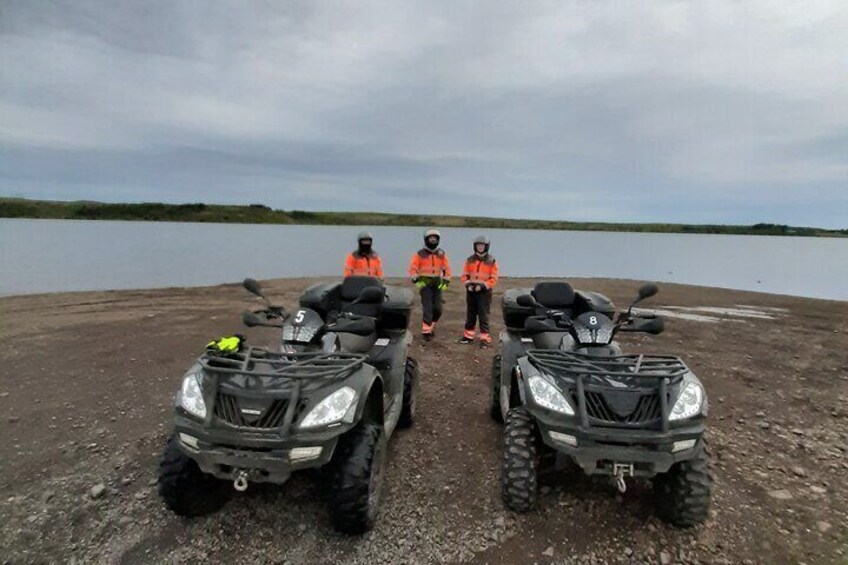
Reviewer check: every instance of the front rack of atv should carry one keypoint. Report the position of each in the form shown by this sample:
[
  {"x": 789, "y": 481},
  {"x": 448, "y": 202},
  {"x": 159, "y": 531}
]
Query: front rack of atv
[
  {"x": 643, "y": 403},
  {"x": 635, "y": 365},
  {"x": 261, "y": 362},
  {"x": 302, "y": 368}
]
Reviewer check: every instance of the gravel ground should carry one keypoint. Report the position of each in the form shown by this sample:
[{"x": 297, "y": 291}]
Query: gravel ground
[{"x": 85, "y": 403}]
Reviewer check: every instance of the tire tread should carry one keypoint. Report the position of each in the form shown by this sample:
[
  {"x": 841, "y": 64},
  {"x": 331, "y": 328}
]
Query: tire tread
[
  {"x": 683, "y": 494},
  {"x": 495, "y": 408},
  {"x": 410, "y": 392},
  {"x": 350, "y": 493},
  {"x": 520, "y": 461},
  {"x": 187, "y": 490}
]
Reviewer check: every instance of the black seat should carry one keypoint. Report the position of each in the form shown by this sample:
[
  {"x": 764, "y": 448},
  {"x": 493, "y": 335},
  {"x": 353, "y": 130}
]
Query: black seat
[
  {"x": 554, "y": 295},
  {"x": 355, "y": 326},
  {"x": 351, "y": 289}
]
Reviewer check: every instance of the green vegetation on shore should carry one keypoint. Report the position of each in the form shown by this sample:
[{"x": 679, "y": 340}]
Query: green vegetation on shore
[{"x": 260, "y": 214}]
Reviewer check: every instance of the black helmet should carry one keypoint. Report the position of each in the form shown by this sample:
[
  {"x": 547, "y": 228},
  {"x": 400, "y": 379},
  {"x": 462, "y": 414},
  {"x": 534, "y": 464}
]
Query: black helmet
[
  {"x": 485, "y": 241},
  {"x": 364, "y": 241},
  {"x": 431, "y": 233}
]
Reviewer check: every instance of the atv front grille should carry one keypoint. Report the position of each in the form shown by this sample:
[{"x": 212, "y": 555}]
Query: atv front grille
[
  {"x": 621, "y": 407},
  {"x": 623, "y": 391},
  {"x": 229, "y": 410},
  {"x": 275, "y": 383}
]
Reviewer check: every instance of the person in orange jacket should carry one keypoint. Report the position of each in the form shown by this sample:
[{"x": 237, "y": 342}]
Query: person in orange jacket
[
  {"x": 364, "y": 262},
  {"x": 479, "y": 275},
  {"x": 430, "y": 271}
]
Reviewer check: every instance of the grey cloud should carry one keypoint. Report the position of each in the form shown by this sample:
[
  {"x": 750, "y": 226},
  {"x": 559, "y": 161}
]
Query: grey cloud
[{"x": 713, "y": 112}]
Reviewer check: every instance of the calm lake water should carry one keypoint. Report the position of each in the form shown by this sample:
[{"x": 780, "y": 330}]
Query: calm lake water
[{"x": 58, "y": 255}]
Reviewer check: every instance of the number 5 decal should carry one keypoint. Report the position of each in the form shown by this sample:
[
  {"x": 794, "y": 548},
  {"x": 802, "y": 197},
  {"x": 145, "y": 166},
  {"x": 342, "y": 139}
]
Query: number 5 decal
[{"x": 299, "y": 316}]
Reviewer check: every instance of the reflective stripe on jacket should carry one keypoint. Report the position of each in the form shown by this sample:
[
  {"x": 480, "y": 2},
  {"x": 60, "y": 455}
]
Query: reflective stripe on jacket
[
  {"x": 426, "y": 263},
  {"x": 359, "y": 265},
  {"x": 480, "y": 270}
]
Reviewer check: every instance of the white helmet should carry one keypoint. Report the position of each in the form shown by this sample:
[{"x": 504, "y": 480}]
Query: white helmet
[
  {"x": 430, "y": 234},
  {"x": 485, "y": 241}
]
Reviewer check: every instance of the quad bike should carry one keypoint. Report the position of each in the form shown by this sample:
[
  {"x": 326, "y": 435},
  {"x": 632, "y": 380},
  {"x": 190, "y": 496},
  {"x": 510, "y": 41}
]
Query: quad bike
[
  {"x": 567, "y": 393},
  {"x": 329, "y": 396}
]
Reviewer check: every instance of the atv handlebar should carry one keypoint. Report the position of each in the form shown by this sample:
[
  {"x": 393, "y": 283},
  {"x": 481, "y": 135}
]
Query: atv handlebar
[
  {"x": 648, "y": 323},
  {"x": 625, "y": 321},
  {"x": 559, "y": 318},
  {"x": 265, "y": 317}
]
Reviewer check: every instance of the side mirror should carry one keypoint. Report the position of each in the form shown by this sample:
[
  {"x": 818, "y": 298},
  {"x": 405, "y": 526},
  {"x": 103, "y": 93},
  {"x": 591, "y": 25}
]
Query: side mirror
[
  {"x": 526, "y": 301},
  {"x": 253, "y": 287},
  {"x": 647, "y": 291},
  {"x": 371, "y": 295}
]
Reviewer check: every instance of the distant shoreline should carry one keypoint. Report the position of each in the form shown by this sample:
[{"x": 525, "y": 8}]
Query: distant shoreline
[
  {"x": 261, "y": 214},
  {"x": 740, "y": 295}
]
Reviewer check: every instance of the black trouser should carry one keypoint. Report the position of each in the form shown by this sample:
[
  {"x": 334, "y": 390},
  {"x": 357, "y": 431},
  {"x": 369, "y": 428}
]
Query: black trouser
[
  {"x": 431, "y": 304},
  {"x": 478, "y": 306}
]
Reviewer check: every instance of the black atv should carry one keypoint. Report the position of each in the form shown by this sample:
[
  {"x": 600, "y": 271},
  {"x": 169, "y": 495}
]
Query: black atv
[
  {"x": 568, "y": 394},
  {"x": 330, "y": 395}
]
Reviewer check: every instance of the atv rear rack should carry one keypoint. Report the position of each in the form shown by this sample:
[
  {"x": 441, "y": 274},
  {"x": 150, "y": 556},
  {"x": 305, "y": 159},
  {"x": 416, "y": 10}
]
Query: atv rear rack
[
  {"x": 642, "y": 403},
  {"x": 261, "y": 362}
]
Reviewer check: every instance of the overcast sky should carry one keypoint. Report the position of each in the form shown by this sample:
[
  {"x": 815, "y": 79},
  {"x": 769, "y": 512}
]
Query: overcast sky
[{"x": 729, "y": 112}]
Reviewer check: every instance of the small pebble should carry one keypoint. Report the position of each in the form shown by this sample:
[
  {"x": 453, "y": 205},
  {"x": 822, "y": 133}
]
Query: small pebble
[
  {"x": 97, "y": 491},
  {"x": 781, "y": 494}
]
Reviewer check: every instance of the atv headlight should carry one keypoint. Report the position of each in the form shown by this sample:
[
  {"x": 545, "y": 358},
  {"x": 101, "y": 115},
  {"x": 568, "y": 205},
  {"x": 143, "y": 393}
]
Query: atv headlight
[
  {"x": 603, "y": 335},
  {"x": 191, "y": 395},
  {"x": 331, "y": 410},
  {"x": 584, "y": 335},
  {"x": 688, "y": 403},
  {"x": 546, "y": 395}
]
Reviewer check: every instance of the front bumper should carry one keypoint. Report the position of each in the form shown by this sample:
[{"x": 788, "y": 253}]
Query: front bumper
[
  {"x": 265, "y": 456},
  {"x": 598, "y": 449}
]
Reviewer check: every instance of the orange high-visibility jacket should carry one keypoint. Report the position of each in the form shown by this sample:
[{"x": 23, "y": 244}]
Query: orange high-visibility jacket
[
  {"x": 359, "y": 265},
  {"x": 426, "y": 263},
  {"x": 480, "y": 270}
]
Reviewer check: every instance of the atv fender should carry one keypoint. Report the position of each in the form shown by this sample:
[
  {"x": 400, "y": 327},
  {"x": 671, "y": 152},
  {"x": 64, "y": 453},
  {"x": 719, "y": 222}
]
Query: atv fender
[
  {"x": 368, "y": 384},
  {"x": 512, "y": 349},
  {"x": 522, "y": 368}
]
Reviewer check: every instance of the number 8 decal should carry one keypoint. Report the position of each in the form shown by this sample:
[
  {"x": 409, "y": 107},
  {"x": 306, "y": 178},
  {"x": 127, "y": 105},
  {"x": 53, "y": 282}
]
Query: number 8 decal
[{"x": 593, "y": 320}]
